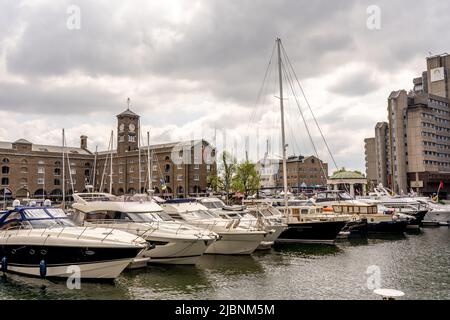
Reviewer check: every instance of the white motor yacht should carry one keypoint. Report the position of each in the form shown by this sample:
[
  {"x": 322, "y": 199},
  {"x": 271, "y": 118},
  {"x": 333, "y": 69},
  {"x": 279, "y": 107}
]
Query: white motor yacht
[
  {"x": 43, "y": 241},
  {"x": 252, "y": 217},
  {"x": 174, "y": 242},
  {"x": 234, "y": 239}
]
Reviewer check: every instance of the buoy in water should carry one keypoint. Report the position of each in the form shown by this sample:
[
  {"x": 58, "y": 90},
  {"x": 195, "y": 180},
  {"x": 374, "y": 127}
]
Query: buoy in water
[{"x": 389, "y": 294}]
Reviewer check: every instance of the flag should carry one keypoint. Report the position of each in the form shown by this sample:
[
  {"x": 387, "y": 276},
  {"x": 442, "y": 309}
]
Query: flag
[{"x": 441, "y": 185}]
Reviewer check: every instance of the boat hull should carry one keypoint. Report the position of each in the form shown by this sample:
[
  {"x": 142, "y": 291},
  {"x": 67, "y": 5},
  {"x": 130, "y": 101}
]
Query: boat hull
[
  {"x": 178, "y": 251},
  {"x": 58, "y": 261},
  {"x": 436, "y": 218},
  {"x": 311, "y": 232},
  {"x": 418, "y": 218},
  {"x": 394, "y": 226},
  {"x": 235, "y": 243}
]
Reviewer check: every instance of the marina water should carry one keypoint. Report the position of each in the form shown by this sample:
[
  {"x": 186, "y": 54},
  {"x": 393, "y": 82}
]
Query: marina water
[{"x": 417, "y": 264}]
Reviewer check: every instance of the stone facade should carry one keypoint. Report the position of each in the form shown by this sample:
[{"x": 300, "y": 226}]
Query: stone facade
[{"x": 179, "y": 169}]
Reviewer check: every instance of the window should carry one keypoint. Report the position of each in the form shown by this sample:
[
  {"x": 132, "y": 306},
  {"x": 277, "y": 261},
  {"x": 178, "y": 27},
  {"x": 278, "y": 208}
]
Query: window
[
  {"x": 131, "y": 138},
  {"x": 73, "y": 171},
  {"x": 87, "y": 173},
  {"x": 179, "y": 166},
  {"x": 121, "y": 138},
  {"x": 155, "y": 167},
  {"x": 167, "y": 168},
  {"x": 24, "y": 170},
  {"x": 41, "y": 170},
  {"x": 23, "y": 181},
  {"x": 57, "y": 163},
  {"x": 24, "y": 161},
  {"x": 41, "y": 162},
  {"x": 196, "y": 177},
  {"x": 208, "y": 167},
  {"x": 131, "y": 169},
  {"x": 40, "y": 181},
  {"x": 5, "y": 160},
  {"x": 196, "y": 166},
  {"x": 180, "y": 177},
  {"x": 56, "y": 182},
  {"x": 167, "y": 179},
  {"x": 5, "y": 181},
  {"x": 5, "y": 170},
  {"x": 57, "y": 171}
]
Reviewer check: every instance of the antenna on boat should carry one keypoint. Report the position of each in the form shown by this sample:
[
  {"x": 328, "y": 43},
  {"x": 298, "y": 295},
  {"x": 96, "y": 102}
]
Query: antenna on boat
[
  {"x": 283, "y": 137},
  {"x": 94, "y": 169}
]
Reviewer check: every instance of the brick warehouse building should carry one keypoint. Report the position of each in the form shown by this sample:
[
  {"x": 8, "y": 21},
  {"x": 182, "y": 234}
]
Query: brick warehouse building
[{"x": 178, "y": 169}]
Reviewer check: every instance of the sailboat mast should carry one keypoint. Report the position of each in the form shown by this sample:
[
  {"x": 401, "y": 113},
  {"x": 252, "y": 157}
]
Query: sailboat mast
[
  {"x": 111, "y": 165},
  {"x": 63, "y": 171},
  {"x": 149, "y": 164},
  {"x": 283, "y": 138}
]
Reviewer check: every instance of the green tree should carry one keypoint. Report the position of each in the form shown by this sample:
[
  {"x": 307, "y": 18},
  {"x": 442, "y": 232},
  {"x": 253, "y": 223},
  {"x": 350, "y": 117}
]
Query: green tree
[
  {"x": 223, "y": 181},
  {"x": 247, "y": 179}
]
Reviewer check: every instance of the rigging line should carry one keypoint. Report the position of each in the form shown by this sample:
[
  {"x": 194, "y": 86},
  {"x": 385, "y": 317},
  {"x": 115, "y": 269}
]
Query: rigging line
[
  {"x": 287, "y": 75},
  {"x": 268, "y": 70},
  {"x": 291, "y": 129},
  {"x": 309, "y": 106}
]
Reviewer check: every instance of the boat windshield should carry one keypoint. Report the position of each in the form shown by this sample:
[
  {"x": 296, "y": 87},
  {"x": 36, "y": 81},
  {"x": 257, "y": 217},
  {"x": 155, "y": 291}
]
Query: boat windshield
[
  {"x": 213, "y": 204},
  {"x": 39, "y": 218},
  {"x": 345, "y": 196},
  {"x": 149, "y": 216},
  {"x": 201, "y": 214}
]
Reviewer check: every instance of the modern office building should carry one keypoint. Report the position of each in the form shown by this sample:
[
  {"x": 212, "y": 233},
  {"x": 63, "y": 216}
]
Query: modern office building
[{"x": 413, "y": 148}]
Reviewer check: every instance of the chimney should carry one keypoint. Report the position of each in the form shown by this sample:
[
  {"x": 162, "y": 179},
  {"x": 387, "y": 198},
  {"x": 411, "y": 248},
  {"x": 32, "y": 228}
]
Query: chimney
[{"x": 83, "y": 142}]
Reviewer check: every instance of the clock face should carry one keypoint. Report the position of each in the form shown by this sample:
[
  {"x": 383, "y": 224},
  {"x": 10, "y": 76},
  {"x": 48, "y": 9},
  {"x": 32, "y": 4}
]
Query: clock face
[
  {"x": 132, "y": 127},
  {"x": 121, "y": 127}
]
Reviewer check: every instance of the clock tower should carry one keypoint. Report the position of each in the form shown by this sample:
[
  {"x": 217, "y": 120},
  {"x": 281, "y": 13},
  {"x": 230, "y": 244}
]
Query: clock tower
[{"x": 127, "y": 131}]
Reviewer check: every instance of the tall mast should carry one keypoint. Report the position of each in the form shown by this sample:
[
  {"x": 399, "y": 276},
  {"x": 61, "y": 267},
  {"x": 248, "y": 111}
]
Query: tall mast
[
  {"x": 111, "y": 164},
  {"x": 283, "y": 138},
  {"x": 63, "y": 171},
  {"x": 149, "y": 164},
  {"x": 94, "y": 170},
  {"x": 139, "y": 156}
]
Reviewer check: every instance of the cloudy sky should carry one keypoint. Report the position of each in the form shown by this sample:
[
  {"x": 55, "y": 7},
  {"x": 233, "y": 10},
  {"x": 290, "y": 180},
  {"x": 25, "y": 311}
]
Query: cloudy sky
[{"x": 193, "y": 68}]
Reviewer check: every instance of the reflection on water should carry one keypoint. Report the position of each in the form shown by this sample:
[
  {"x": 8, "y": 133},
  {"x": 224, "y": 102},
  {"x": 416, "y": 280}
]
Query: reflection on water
[
  {"x": 417, "y": 264},
  {"x": 307, "y": 250}
]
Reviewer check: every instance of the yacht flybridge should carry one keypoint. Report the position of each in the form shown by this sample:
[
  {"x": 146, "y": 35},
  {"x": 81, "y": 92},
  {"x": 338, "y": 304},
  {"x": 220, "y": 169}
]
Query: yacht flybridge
[
  {"x": 44, "y": 242},
  {"x": 234, "y": 239},
  {"x": 174, "y": 242}
]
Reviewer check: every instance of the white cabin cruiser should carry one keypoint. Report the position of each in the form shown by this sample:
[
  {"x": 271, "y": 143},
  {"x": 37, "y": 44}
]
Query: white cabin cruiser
[
  {"x": 174, "y": 242},
  {"x": 44, "y": 242},
  {"x": 252, "y": 217},
  {"x": 235, "y": 239}
]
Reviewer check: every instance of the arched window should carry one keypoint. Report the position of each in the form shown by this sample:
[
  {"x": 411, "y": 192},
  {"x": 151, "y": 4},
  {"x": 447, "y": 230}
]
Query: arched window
[
  {"x": 5, "y": 160},
  {"x": 57, "y": 163},
  {"x": 131, "y": 191},
  {"x": 87, "y": 164},
  {"x": 24, "y": 170},
  {"x": 5, "y": 170},
  {"x": 24, "y": 161},
  {"x": 167, "y": 158},
  {"x": 40, "y": 193},
  {"x": 5, "y": 181}
]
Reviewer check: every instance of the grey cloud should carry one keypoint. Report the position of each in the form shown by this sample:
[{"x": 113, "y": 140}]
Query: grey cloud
[{"x": 357, "y": 83}]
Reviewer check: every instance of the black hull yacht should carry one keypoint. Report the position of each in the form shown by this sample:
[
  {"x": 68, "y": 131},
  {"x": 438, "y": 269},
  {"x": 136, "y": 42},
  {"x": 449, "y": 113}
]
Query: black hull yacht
[
  {"x": 324, "y": 232},
  {"x": 43, "y": 242}
]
